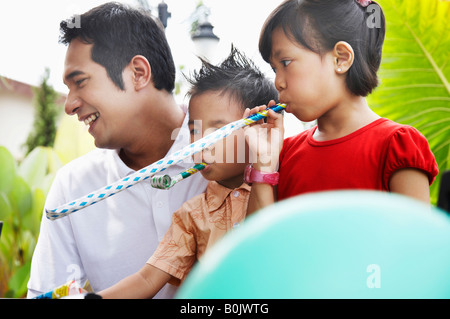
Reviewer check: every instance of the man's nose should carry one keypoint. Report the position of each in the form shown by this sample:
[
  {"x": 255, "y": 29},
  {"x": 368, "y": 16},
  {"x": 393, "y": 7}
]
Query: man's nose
[{"x": 72, "y": 104}]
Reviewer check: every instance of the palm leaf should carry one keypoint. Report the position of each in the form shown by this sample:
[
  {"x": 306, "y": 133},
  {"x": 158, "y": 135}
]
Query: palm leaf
[{"x": 415, "y": 73}]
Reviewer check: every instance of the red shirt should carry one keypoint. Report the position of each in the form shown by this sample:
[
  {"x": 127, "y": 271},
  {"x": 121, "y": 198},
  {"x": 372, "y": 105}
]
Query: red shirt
[{"x": 364, "y": 159}]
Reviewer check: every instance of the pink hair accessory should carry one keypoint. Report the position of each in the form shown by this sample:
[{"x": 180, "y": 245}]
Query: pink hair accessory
[{"x": 364, "y": 3}]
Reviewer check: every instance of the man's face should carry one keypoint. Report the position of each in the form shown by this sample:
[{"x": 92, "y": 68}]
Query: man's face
[{"x": 94, "y": 98}]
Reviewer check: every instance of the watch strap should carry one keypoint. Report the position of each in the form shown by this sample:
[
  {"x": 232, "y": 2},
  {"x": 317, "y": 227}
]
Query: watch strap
[{"x": 252, "y": 175}]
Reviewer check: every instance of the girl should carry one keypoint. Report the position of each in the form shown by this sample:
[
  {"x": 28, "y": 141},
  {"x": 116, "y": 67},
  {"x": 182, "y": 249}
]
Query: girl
[{"x": 325, "y": 57}]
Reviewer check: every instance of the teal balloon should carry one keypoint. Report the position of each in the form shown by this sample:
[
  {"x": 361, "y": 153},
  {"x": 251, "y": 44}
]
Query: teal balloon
[{"x": 342, "y": 244}]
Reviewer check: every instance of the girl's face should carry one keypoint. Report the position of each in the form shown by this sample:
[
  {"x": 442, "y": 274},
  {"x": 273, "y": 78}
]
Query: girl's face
[
  {"x": 307, "y": 82},
  {"x": 228, "y": 157}
]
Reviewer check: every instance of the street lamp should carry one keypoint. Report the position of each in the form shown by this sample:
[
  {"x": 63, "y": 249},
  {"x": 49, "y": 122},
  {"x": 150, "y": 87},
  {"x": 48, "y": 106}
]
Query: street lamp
[
  {"x": 205, "y": 41},
  {"x": 163, "y": 13}
]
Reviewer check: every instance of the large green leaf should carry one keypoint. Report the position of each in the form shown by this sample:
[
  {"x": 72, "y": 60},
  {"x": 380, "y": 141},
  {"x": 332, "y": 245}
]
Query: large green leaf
[
  {"x": 32, "y": 220},
  {"x": 21, "y": 198},
  {"x": 5, "y": 207},
  {"x": 415, "y": 73},
  {"x": 7, "y": 169},
  {"x": 34, "y": 167},
  {"x": 18, "y": 282},
  {"x": 39, "y": 167}
]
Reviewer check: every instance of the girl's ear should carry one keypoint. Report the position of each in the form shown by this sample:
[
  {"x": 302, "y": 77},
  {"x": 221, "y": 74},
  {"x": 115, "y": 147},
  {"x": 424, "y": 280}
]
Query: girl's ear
[
  {"x": 142, "y": 71},
  {"x": 343, "y": 56}
]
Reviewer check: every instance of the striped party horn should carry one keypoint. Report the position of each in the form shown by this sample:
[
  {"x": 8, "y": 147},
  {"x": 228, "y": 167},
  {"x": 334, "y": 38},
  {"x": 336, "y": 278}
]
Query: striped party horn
[
  {"x": 166, "y": 181},
  {"x": 159, "y": 166}
]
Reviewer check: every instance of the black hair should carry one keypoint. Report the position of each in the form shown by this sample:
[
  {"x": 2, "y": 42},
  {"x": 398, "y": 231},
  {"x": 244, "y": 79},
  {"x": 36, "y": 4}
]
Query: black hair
[
  {"x": 319, "y": 24},
  {"x": 118, "y": 33},
  {"x": 237, "y": 76}
]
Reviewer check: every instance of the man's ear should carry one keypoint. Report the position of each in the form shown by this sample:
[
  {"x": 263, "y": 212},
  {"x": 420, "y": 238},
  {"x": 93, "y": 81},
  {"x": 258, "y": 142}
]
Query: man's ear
[
  {"x": 142, "y": 71},
  {"x": 343, "y": 56}
]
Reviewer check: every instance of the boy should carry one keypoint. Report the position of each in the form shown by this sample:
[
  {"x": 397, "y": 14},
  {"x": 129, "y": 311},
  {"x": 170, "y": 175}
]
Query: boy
[{"x": 219, "y": 95}]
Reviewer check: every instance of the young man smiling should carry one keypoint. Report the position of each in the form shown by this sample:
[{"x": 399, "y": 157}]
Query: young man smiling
[{"x": 120, "y": 75}]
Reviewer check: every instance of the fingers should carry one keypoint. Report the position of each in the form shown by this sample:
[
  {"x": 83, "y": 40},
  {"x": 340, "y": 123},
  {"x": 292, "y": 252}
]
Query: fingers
[
  {"x": 275, "y": 118},
  {"x": 246, "y": 113},
  {"x": 272, "y": 117},
  {"x": 265, "y": 139}
]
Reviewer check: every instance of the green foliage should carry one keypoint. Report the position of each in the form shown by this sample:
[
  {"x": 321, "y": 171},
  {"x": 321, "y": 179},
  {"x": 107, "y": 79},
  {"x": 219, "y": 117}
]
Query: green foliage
[
  {"x": 415, "y": 73},
  {"x": 23, "y": 188},
  {"x": 44, "y": 126}
]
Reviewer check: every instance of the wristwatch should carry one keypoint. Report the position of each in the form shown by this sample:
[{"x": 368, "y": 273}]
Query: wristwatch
[{"x": 252, "y": 175}]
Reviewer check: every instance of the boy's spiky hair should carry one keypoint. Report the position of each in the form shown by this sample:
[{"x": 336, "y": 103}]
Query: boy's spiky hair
[{"x": 237, "y": 76}]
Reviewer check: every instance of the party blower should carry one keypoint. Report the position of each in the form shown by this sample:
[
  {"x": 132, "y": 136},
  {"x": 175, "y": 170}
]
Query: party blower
[
  {"x": 159, "y": 166},
  {"x": 166, "y": 181}
]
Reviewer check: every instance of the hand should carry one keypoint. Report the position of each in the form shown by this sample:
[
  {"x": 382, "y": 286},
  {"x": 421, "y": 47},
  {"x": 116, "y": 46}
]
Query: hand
[{"x": 265, "y": 140}]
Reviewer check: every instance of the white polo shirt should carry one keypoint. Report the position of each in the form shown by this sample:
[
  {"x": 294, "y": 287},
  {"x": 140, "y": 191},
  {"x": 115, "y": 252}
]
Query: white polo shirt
[{"x": 113, "y": 238}]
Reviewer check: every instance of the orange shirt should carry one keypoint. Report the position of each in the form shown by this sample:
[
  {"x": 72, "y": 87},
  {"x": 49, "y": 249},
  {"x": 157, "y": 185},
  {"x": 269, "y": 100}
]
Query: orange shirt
[{"x": 197, "y": 225}]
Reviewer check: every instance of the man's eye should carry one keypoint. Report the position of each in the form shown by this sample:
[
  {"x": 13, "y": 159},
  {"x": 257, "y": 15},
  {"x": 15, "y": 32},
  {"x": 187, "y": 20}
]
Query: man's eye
[
  {"x": 79, "y": 82},
  {"x": 285, "y": 62}
]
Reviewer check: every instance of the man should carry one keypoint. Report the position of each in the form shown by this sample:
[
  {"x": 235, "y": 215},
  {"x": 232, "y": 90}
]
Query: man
[{"x": 120, "y": 75}]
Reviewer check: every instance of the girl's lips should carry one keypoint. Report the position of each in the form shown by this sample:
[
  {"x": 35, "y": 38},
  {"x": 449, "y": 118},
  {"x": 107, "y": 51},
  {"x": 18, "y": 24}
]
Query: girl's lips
[
  {"x": 287, "y": 109},
  {"x": 206, "y": 168},
  {"x": 285, "y": 103}
]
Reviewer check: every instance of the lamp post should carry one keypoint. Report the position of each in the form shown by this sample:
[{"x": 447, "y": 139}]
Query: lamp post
[
  {"x": 205, "y": 41},
  {"x": 163, "y": 13}
]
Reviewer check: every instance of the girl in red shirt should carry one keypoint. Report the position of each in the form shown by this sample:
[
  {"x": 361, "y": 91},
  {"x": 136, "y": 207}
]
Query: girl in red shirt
[{"x": 325, "y": 55}]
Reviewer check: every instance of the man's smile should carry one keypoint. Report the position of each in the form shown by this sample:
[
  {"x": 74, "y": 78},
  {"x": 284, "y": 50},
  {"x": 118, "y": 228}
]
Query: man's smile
[{"x": 91, "y": 118}]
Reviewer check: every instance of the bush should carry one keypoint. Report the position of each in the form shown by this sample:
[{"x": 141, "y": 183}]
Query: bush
[{"x": 23, "y": 188}]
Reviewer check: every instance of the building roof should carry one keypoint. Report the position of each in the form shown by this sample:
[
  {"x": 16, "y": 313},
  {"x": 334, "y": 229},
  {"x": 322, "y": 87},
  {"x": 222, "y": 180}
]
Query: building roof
[
  {"x": 17, "y": 87},
  {"x": 23, "y": 89}
]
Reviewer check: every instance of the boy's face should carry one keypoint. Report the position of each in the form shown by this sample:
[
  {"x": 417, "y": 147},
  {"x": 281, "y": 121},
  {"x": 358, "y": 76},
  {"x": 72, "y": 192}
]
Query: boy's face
[{"x": 227, "y": 158}]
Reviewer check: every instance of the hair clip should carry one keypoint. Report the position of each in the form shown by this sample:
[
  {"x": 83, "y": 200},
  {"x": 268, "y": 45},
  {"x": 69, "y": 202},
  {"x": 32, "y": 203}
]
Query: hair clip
[{"x": 363, "y": 3}]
